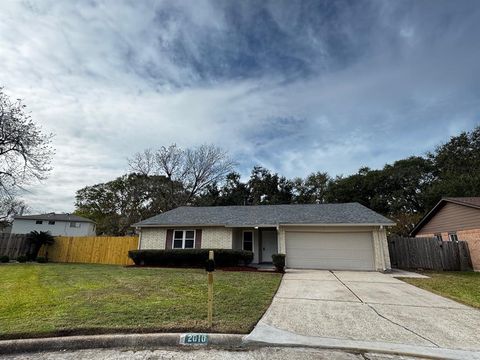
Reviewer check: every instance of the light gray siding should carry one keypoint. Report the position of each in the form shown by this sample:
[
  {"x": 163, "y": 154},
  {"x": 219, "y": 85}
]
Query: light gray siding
[{"x": 60, "y": 228}]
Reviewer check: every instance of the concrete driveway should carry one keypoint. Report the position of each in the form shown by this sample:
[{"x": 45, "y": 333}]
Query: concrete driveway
[{"x": 367, "y": 307}]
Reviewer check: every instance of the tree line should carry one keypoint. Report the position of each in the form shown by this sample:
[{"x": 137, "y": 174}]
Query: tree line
[
  {"x": 160, "y": 180},
  {"x": 205, "y": 176}
]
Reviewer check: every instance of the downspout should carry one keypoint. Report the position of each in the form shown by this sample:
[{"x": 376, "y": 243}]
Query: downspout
[{"x": 139, "y": 238}]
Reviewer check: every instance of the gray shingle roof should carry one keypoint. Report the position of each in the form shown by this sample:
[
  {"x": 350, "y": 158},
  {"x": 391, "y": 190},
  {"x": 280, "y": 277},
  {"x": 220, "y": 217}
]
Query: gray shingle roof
[
  {"x": 55, "y": 217},
  {"x": 349, "y": 213}
]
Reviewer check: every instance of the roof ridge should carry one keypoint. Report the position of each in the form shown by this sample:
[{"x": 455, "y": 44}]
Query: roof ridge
[
  {"x": 242, "y": 215},
  {"x": 54, "y": 216},
  {"x": 263, "y": 205}
]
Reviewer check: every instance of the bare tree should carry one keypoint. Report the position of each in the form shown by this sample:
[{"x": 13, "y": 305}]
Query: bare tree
[
  {"x": 9, "y": 207},
  {"x": 194, "y": 168},
  {"x": 143, "y": 162},
  {"x": 25, "y": 152},
  {"x": 171, "y": 162}
]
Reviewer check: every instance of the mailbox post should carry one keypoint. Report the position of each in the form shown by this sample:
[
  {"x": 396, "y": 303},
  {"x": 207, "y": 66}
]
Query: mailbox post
[{"x": 210, "y": 268}]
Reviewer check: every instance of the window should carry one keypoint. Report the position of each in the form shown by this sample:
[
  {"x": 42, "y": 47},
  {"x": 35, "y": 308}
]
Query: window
[
  {"x": 248, "y": 240},
  {"x": 74, "y": 224},
  {"x": 453, "y": 237},
  {"x": 184, "y": 239},
  {"x": 439, "y": 237},
  {"x": 51, "y": 222},
  {"x": 39, "y": 222}
]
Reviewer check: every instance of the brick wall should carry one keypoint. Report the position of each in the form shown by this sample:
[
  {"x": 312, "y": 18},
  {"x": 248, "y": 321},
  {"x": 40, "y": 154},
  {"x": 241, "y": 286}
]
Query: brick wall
[
  {"x": 472, "y": 237},
  {"x": 216, "y": 238},
  {"x": 153, "y": 238},
  {"x": 212, "y": 238}
]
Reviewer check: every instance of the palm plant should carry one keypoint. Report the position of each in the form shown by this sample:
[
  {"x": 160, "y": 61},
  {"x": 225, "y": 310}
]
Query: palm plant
[{"x": 37, "y": 239}]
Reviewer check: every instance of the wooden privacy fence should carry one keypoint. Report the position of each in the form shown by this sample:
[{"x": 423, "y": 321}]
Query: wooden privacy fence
[
  {"x": 429, "y": 254},
  {"x": 13, "y": 245},
  {"x": 92, "y": 249}
]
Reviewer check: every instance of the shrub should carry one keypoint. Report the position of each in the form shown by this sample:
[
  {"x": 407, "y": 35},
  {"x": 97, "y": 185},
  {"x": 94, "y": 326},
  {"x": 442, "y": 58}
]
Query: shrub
[
  {"x": 279, "y": 262},
  {"x": 41, "y": 259},
  {"x": 37, "y": 240},
  {"x": 4, "y": 259},
  {"x": 190, "y": 257},
  {"x": 22, "y": 259}
]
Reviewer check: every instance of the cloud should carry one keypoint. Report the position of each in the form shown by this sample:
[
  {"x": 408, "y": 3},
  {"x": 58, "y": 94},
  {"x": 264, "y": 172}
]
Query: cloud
[{"x": 294, "y": 86}]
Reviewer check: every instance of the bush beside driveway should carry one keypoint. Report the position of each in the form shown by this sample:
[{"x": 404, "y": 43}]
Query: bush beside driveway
[{"x": 66, "y": 299}]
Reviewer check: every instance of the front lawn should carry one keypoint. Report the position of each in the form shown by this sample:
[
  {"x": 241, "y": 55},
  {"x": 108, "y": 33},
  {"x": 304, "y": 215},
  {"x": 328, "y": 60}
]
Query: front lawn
[
  {"x": 55, "y": 299},
  {"x": 463, "y": 287}
]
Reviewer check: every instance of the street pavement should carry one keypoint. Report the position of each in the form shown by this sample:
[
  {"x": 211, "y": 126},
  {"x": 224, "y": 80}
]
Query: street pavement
[{"x": 270, "y": 353}]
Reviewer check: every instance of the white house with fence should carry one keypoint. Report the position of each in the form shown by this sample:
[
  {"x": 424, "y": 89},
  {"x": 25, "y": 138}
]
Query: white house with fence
[{"x": 56, "y": 224}]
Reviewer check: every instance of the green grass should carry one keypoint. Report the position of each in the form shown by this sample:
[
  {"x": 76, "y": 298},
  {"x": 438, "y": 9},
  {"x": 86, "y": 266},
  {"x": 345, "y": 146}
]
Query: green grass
[
  {"x": 463, "y": 287},
  {"x": 60, "y": 299}
]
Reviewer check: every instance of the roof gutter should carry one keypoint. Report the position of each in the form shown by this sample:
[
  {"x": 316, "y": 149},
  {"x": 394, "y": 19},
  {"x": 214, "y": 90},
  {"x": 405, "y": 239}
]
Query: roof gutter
[
  {"x": 257, "y": 225},
  {"x": 175, "y": 225},
  {"x": 342, "y": 224},
  {"x": 201, "y": 225},
  {"x": 53, "y": 219}
]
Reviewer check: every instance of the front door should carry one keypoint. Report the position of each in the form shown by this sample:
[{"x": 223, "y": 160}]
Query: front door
[{"x": 269, "y": 244}]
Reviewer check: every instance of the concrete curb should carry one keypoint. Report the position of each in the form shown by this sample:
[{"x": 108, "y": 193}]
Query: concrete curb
[
  {"x": 262, "y": 336},
  {"x": 266, "y": 335},
  {"x": 137, "y": 341}
]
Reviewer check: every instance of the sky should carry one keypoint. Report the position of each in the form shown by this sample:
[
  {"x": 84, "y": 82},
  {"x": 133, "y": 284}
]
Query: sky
[{"x": 295, "y": 86}]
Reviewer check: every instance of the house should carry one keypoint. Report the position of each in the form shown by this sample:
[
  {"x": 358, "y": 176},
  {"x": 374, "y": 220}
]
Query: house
[
  {"x": 454, "y": 219},
  {"x": 321, "y": 236},
  {"x": 56, "y": 224}
]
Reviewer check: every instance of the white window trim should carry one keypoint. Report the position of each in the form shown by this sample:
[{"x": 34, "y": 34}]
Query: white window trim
[
  {"x": 450, "y": 237},
  {"x": 253, "y": 239},
  {"x": 184, "y": 234}
]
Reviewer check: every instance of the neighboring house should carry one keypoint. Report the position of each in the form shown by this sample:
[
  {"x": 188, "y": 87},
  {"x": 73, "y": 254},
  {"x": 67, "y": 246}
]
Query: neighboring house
[
  {"x": 454, "y": 219},
  {"x": 324, "y": 236},
  {"x": 56, "y": 224}
]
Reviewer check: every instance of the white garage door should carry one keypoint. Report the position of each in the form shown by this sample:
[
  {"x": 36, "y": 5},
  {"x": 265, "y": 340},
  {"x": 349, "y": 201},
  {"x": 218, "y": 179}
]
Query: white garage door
[{"x": 332, "y": 251}]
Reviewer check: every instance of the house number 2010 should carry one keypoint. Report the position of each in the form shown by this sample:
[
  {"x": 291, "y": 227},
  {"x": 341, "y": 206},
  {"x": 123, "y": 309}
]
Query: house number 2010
[{"x": 194, "y": 339}]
